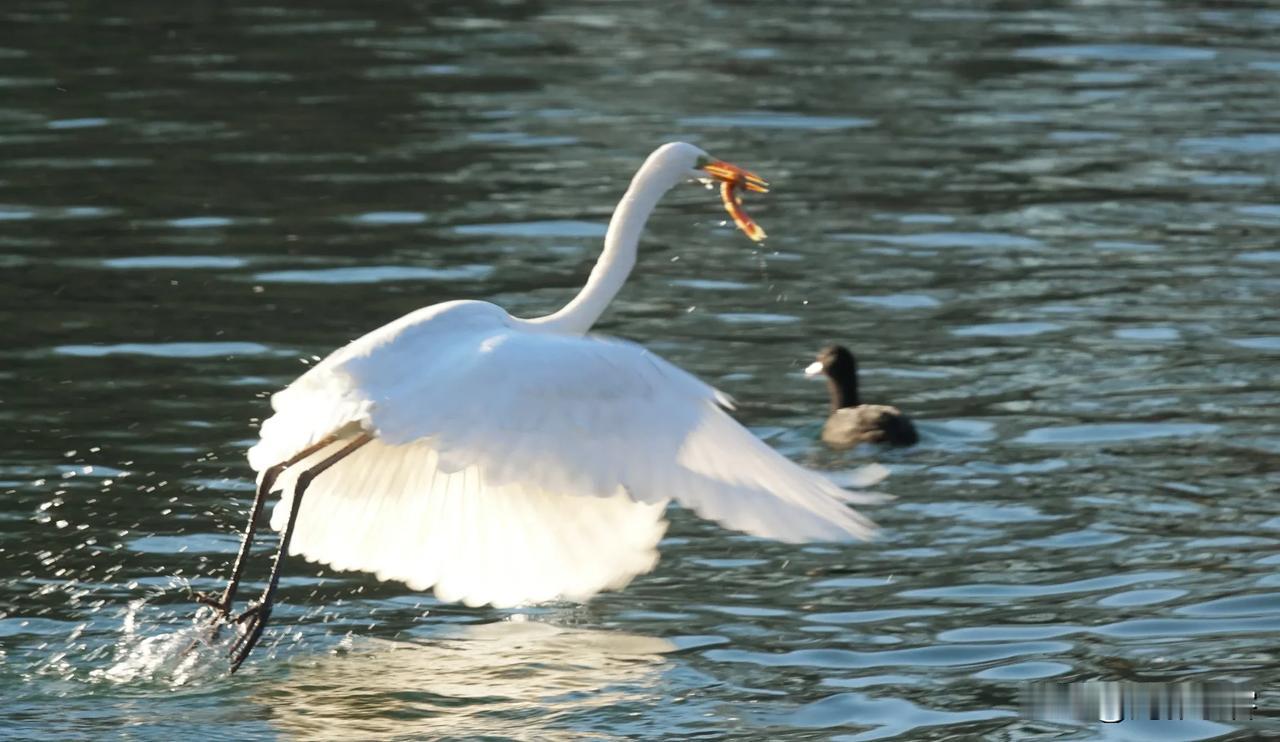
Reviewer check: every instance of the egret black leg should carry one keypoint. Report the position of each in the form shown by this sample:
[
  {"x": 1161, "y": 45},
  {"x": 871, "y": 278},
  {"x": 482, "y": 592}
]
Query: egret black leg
[
  {"x": 254, "y": 619},
  {"x": 223, "y": 605}
]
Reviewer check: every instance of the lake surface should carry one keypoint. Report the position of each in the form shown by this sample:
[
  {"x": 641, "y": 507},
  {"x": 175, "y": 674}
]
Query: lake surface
[{"x": 1050, "y": 230}]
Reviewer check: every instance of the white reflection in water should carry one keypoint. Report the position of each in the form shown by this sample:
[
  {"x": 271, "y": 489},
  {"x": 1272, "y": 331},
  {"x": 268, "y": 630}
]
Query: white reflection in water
[{"x": 516, "y": 678}]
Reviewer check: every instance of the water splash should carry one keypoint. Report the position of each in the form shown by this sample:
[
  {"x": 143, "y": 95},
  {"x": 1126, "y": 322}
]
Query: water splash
[{"x": 150, "y": 651}]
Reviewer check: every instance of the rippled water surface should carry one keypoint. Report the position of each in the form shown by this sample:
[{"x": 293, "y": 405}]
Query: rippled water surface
[{"x": 1049, "y": 229}]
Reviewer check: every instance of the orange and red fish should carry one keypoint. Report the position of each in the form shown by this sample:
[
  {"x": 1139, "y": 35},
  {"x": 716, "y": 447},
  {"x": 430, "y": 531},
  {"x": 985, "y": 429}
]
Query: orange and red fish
[{"x": 732, "y": 180}]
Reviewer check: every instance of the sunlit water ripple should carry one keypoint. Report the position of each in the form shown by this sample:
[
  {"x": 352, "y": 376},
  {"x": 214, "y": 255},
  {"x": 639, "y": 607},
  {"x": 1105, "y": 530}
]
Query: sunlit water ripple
[{"x": 1049, "y": 231}]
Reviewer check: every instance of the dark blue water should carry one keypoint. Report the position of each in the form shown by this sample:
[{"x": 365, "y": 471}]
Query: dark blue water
[{"x": 1049, "y": 230}]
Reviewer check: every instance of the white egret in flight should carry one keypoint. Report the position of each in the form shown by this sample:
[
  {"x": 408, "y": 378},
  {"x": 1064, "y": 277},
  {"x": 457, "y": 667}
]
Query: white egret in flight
[{"x": 507, "y": 461}]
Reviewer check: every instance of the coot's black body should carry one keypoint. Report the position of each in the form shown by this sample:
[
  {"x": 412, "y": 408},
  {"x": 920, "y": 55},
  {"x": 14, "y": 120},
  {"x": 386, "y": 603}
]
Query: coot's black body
[{"x": 850, "y": 422}]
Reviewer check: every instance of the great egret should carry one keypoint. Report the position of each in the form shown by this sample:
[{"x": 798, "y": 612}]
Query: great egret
[
  {"x": 852, "y": 422},
  {"x": 506, "y": 461}
]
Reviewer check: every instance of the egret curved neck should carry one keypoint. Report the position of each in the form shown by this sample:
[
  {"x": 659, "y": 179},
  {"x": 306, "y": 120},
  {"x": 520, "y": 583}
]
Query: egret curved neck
[{"x": 614, "y": 265}]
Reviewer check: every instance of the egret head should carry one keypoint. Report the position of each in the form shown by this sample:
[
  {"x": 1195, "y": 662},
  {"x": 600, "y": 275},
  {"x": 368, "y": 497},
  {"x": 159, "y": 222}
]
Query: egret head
[{"x": 682, "y": 161}]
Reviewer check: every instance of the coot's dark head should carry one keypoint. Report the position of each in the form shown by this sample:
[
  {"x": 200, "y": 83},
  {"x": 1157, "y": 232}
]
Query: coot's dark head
[
  {"x": 842, "y": 374},
  {"x": 836, "y": 361}
]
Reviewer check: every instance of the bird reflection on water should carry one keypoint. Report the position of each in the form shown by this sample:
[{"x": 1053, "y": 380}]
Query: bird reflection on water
[
  {"x": 513, "y": 677},
  {"x": 1054, "y": 232}
]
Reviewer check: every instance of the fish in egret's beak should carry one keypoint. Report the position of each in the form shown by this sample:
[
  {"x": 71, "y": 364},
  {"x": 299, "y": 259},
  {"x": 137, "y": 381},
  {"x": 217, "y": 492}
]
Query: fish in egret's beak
[
  {"x": 727, "y": 173},
  {"x": 732, "y": 178}
]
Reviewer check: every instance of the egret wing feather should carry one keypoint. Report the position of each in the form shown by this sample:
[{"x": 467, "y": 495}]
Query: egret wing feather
[
  {"x": 389, "y": 510},
  {"x": 583, "y": 416},
  {"x": 514, "y": 461}
]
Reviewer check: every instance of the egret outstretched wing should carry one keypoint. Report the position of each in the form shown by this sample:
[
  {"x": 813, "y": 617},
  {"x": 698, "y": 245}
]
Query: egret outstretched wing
[
  {"x": 506, "y": 461},
  {"x": 485, "y": 425}
]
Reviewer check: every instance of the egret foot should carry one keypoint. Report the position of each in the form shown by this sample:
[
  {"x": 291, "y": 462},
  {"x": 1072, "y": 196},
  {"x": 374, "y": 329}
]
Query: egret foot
[
  {"x": 219, "y": 604},
  {"x": 250, "y": 623},
  {"x": 255, "y": 617}
]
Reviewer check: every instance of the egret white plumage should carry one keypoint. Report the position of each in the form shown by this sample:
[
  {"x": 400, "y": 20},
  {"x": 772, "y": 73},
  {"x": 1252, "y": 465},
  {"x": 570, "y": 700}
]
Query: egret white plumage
[{"x": 507, "y": 461}]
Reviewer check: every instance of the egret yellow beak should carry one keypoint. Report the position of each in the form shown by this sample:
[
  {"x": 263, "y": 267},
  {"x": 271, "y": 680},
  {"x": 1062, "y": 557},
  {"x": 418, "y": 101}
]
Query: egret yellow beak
[{"x": 727, "y": 173}]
